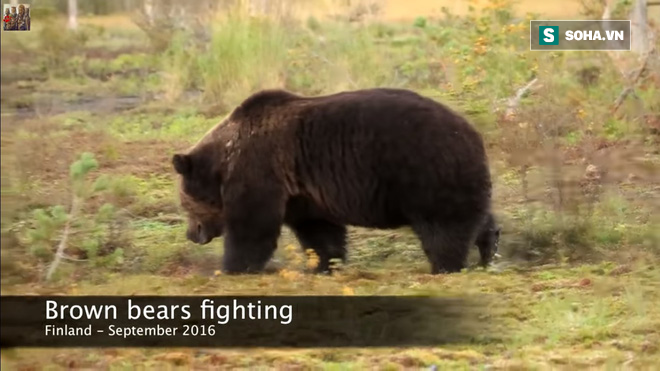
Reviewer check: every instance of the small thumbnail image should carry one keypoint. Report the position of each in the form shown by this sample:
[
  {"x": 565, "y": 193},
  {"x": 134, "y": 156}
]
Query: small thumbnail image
[{"x": 16, "y": 17}]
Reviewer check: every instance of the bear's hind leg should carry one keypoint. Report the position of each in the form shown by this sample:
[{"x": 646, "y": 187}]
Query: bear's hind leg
[
  {"x": 328, "y": 240},
  {"x": 446, "y": 245}
]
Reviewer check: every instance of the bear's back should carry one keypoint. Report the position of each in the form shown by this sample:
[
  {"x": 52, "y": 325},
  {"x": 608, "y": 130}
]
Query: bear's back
[{"x": 379, "y": 152}]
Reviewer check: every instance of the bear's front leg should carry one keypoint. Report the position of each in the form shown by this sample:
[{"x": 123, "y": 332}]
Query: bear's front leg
[
  {"x": 254, "y": 220},
  {"x": 328, "y": 240}
]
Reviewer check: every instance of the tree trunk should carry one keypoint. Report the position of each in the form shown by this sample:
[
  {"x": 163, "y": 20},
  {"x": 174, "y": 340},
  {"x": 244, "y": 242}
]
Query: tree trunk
[
  {"x": 127, "y": 6},
  {"x": 73, "y": 14},
  {"x": 149, "y": 11},
  {"x": 258, "y": 8},
  {"x": 639, "y": 27}
]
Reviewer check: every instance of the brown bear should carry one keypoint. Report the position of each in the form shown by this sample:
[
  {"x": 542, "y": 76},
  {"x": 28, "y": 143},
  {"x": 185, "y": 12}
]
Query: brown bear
[{"x": 377, "y": 158}]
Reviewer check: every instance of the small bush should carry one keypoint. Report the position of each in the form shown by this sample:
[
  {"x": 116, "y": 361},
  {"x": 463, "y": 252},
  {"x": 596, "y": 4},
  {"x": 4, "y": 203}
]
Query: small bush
[{"x": 56, "y": 233}]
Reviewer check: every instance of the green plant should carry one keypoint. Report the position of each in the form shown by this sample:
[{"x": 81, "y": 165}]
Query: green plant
[
  {"x": 87, "y": 235},
  {"x": 244, "y": 55}
]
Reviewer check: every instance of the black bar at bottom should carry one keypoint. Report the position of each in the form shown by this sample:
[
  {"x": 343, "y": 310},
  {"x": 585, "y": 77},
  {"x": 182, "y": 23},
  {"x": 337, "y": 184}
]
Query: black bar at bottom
[{"x": 266, "y": 321}]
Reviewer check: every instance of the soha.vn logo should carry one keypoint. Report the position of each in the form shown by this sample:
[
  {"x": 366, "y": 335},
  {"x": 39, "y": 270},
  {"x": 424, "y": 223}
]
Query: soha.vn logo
[{"x": 549, "y": 35}]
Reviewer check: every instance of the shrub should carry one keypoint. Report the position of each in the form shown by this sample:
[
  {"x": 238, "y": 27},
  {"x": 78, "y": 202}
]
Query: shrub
[{"x": 79, "y": 236}]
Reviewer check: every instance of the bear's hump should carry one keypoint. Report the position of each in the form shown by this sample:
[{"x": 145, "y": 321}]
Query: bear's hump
[{"x": 258, "y": 102}]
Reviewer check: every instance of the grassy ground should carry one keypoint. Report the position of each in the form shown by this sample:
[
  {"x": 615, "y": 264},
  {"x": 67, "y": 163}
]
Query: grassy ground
[{"x": 576, "y": 186}]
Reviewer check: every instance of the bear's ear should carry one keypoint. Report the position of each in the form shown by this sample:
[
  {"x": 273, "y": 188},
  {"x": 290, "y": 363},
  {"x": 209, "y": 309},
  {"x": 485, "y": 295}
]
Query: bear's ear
[{"x": 182, "y": 164}]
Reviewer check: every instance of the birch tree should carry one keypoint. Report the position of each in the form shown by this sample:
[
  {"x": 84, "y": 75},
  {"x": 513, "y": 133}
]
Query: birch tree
[
  {"x": 73, "y": 14},
  {"x": 639, "y": 27}
]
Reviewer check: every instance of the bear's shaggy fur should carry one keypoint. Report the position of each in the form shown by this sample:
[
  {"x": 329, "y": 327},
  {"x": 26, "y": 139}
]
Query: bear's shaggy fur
[{"x": 377, "y": 158}]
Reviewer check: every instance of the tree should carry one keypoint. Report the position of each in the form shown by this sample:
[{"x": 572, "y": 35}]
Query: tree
[
  {"x": 641, "y": 45},
  {"x": 639, "y": 27},
  {"x": 73, "y": 14}
]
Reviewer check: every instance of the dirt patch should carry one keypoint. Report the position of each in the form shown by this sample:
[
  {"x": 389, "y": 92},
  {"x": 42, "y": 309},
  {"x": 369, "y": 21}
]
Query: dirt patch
[
  {"x": 47, "y": 152},
  {"x": 142, "y": 158},
  {"x": 40, "y": 156},
  {"x": 104, "y": 53},
  {"x": 13, "y": 56}
]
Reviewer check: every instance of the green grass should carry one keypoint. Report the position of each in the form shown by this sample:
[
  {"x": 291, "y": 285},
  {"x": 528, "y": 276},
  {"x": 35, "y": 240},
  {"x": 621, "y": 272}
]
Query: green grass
[{"x": 578, "y": 285}]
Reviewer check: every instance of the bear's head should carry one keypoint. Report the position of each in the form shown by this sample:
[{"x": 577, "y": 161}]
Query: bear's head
[
  {"x": 202, "y": 170},
  {"x": 200, "y": 191}
]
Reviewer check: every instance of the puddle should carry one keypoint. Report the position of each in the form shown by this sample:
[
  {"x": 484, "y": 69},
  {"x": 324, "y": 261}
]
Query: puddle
[
  {"x": 49, "y": 104},
  {"x": 53, "y": 104}
]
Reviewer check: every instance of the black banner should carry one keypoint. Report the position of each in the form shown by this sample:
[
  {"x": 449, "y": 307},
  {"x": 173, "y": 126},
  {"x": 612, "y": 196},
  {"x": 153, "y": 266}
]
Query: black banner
[{"x": 267, "y": 321}]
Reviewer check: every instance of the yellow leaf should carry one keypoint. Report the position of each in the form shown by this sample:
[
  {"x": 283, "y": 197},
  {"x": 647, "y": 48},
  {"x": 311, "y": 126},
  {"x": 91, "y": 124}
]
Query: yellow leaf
[
  {"x": 312, "y": 258},
  {"x": 347, "y": 291},
  {"x": 289, "y": 275}
]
